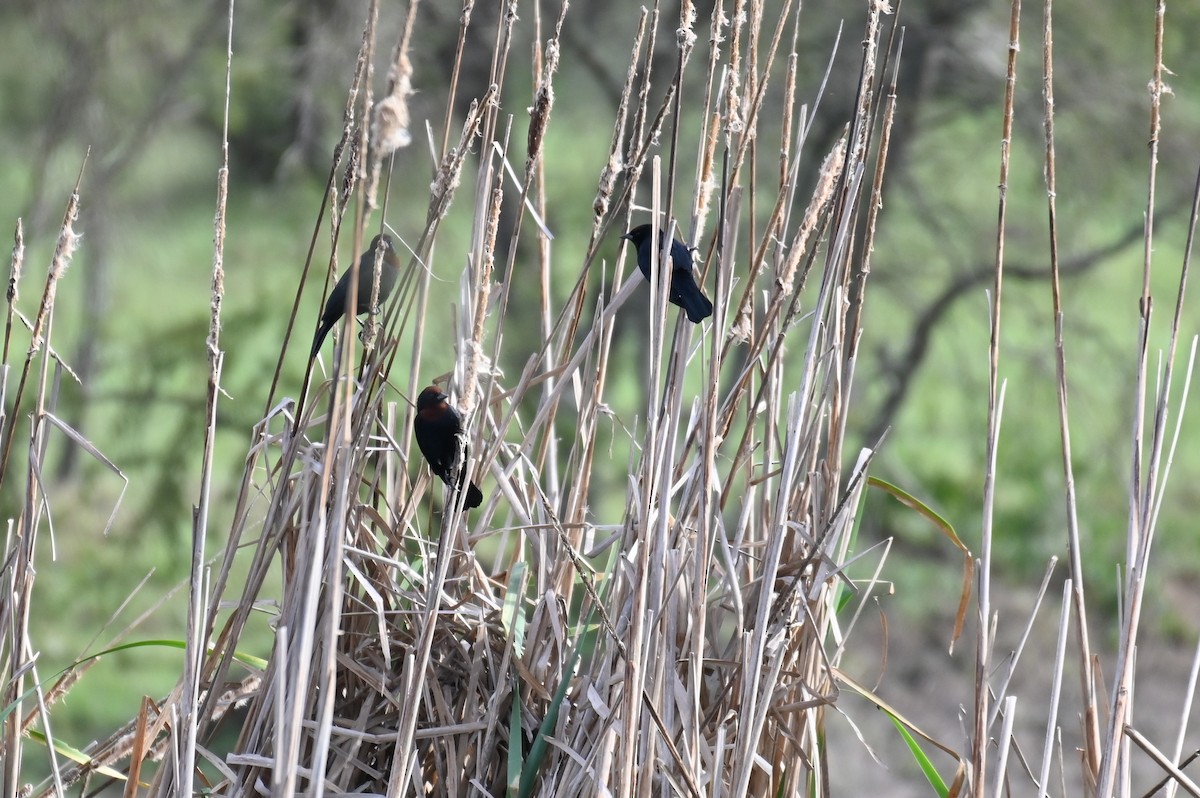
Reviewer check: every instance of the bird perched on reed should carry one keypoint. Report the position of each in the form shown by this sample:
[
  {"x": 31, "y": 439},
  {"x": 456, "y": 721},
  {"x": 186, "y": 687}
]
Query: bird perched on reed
[
  {"x": 683, "y": 289},
  {"x": 437, "y": 427},
  {"x": 335, "y": 306}
]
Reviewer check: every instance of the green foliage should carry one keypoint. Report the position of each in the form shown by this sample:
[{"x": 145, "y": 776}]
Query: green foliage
[{"x": 921, "y": 758}]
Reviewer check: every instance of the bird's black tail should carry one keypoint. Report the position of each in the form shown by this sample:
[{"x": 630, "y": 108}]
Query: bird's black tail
[
  {"x": 319, "y": 338},
  {"x": 474, "y": 497},
  {"x": 693, "y": 301}
]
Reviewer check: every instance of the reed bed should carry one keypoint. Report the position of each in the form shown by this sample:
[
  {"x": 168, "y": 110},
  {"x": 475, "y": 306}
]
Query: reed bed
[
  {"x": 678, "y": 646},
  {"x": 684, "y": 638}
]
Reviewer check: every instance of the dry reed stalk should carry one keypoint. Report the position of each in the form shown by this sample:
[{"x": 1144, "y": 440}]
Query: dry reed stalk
[
  {"x": 15, "y": 266},
  {"x": 1149, "y": 470},
  {"x": 1143, "y": 475},
  {"x": 995, "y": 408},
  {"x": 17, "y": 656},
  {"x": 1091, "y": 730},
  {"x": 197, "y": 597},
  {"x": 390, "y": 121}
]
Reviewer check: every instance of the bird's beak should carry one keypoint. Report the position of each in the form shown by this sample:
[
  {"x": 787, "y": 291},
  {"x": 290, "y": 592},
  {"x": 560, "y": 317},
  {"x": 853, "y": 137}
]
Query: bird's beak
[{"x": 626, "y": 237}]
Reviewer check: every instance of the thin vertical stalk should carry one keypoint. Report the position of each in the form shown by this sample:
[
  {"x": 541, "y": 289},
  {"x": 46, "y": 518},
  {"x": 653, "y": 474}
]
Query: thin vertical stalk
[
  {"x": 1142, "y": 482},
  {"x": 979, "y": 731},
  {"x": 1091, "y": 728},
  {"x": 196, "y": 631}
]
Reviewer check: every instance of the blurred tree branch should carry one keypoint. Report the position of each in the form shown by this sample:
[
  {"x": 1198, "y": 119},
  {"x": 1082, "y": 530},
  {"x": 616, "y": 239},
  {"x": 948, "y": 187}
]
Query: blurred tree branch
[{"x": 899, "y": 369}]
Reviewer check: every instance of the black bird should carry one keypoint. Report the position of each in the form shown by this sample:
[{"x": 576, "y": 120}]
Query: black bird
[
  {"x": 335, "y": 306},
  {"x": 684, "y": 291},
  {"x": 437, "y": 427}
]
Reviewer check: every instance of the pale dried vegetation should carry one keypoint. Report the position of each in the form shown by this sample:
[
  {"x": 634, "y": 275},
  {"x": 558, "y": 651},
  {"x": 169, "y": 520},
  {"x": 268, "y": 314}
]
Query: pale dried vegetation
[{"x": 689, "y": 642}]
